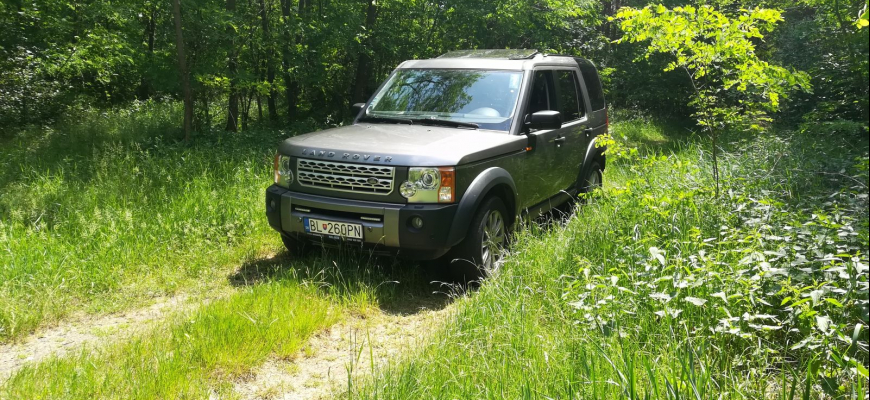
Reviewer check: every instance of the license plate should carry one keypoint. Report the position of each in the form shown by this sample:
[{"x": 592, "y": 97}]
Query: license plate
[{"x": 332, "y": 228}]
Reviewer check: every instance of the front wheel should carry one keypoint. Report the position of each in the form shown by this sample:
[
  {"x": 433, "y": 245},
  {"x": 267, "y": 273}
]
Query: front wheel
[
  {"x": 294, "y": 246},
  {"x": 481, "y": 251}
]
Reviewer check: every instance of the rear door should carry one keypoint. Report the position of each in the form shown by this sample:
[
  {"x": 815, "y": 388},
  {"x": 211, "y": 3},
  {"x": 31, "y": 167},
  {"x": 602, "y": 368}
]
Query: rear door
[{"x": 572, "y": 137}]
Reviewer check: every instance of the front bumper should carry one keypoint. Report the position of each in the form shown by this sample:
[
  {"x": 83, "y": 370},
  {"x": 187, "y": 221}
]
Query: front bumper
[{"x": 386, "y": 226}]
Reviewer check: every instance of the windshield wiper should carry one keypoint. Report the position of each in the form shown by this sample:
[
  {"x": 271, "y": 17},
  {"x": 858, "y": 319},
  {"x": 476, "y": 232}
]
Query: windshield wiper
[
  {"x": 445, "y": 122},
  {"x": 372, "y": 118}
]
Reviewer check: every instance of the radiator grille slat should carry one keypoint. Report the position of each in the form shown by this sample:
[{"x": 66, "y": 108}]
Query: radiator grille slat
[{"x": 358, "y": 178}]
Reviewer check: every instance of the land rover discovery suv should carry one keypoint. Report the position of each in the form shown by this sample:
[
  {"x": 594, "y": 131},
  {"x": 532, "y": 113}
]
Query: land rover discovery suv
[{"x": 444, "y": 159}]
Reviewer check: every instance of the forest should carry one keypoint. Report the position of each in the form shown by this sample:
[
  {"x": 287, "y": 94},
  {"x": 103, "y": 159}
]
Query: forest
[{"x": 726, "y": 255}]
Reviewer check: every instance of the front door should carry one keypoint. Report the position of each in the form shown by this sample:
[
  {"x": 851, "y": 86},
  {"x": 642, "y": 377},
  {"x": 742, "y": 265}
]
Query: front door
[
  {"x": 540, "y": 170},
  {"x": 554, "y": 163}
]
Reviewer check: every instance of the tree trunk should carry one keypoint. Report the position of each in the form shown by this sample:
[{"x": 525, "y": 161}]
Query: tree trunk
[
  {"x": 144, "y": 91},
  {"x": 232, "y": 66},
  {"x": 182, "y": 66},
  {"x": 267, "y": 57},
  {"x": 364, "y": 64},
  {"x": 290, "y": 85}
]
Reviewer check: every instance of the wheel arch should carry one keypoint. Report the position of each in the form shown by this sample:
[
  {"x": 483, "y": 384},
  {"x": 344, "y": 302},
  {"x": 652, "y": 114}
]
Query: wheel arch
[
  {"x": 493, "y": 181},
  {"x": 593, "y": 153}
]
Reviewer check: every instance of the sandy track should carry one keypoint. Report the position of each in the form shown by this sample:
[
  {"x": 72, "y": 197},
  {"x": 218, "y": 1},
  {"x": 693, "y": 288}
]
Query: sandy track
[
  {"x": 348, "y": 351},
  {"x": 72, "y": 335}
]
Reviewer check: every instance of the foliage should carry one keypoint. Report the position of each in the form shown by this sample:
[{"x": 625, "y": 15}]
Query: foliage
[{"x": 733, "y": 88}]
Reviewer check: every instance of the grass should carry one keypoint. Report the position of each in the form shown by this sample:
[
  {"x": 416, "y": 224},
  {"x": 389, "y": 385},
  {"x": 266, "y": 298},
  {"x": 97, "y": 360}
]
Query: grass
[
  {"x": 105, "y": 212},
  {"x": 657, "y": 290},
  {"x": 653, "y": 289},
  {"x": 198, "y": 354},
  {"x": 279, "y": 303}
]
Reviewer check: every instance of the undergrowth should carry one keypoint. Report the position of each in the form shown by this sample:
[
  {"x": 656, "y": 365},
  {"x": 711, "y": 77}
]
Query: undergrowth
[{"x": 657, "y": 289}]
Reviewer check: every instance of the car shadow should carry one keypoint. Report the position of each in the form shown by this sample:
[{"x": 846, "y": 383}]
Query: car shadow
[{"x": 399, "y": 287}]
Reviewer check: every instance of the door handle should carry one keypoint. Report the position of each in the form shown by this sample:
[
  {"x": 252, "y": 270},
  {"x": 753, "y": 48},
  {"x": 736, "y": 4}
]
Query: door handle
[
  {"x": 587, "y": 131},
  {"x": 559, "y": 140}
]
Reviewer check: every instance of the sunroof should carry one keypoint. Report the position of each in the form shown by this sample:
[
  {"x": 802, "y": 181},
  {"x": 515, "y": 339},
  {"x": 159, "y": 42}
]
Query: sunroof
[{"x": 510, "y": 54}]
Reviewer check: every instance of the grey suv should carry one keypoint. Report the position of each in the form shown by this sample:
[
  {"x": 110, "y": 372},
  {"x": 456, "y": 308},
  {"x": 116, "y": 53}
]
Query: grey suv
[{"x": 445, "y": 157}]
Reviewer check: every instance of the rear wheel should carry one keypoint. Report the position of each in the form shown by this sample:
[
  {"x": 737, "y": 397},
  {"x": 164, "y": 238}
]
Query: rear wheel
[
  {"x": 481, "y": 251},
  {"x": 593, "y": 180}
]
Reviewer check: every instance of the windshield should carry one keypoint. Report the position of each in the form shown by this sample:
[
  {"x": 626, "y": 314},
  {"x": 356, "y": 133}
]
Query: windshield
[{"x": 465, "y": 97}]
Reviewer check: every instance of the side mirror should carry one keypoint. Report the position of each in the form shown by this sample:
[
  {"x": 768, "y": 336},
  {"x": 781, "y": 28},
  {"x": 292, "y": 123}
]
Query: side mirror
[
  {"x": 356, "y": 108},
  {"x": 547, "y": 119}
]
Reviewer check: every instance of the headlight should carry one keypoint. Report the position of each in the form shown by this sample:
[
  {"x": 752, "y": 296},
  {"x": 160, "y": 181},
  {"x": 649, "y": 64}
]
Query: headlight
[
  {"x": 283, "y": 171},
  {"x": 429, "y": 185}
]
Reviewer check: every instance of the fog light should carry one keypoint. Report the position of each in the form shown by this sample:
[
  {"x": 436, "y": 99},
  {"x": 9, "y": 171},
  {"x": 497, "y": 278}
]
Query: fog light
[
  {"x": 272, "y": 204},
  {"x": 417, "y": 222}
]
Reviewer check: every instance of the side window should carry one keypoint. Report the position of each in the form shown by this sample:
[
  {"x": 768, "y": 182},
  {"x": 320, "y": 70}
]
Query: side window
[
  {"x": 593, "y": 85},
  {"x": 543, "y": 96},
  {"x": 568, "y": 104}
]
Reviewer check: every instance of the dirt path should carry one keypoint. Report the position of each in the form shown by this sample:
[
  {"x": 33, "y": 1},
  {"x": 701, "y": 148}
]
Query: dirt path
[
  {"x": 84, "y": 332},
  {"x": 350, "y": 349}
]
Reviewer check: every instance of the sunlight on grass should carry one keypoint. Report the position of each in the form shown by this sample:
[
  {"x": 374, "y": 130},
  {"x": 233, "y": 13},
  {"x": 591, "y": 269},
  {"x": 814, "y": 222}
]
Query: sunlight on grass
[
  {"x": 101, "y": 214},
  {"x": 655, "y": 289},
  {"x": 196, "y": 354}
]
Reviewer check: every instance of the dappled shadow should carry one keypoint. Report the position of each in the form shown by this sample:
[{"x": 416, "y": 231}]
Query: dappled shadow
[{"x": 398, "y": 287}]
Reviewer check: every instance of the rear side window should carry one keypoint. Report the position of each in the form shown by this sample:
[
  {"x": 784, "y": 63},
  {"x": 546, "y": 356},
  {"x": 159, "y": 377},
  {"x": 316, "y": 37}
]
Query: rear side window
[
  {"x": 568, "y": 104},
  {"x": 593, "y": 85}
]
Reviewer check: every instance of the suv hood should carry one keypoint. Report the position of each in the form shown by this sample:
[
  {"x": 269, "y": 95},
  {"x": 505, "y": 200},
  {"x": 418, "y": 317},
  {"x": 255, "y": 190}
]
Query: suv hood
[{"x": 400, "y": 144}]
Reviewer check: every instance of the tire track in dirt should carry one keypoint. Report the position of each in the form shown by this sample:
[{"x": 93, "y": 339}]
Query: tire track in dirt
[
  {"x": 73, "y": 335},
  {"x": 348, "y": 351}
]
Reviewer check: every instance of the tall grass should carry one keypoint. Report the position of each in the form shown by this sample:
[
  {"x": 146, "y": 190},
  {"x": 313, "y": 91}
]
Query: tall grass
[
  {"x": 655, "y": 289},
  {"x": 108, "y": 210}
]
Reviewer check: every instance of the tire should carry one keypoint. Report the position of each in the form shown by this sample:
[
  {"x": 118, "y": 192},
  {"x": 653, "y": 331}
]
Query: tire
[
  {"x": 296, "y": 247},
  {"x": 480, "y": 252},
  {"x": 593, "y": 180}
]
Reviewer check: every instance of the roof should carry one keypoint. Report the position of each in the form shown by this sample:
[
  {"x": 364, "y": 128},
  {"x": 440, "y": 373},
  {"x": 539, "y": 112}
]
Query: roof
[{"x": 493, "y": 59}]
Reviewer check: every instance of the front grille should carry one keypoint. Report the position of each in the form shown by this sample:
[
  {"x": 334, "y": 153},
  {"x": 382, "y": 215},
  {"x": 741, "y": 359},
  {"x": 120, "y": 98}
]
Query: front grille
[{"x": 356, "y": 178}]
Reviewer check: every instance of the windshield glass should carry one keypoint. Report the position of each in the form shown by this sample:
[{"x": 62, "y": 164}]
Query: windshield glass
[{"x": 484, "y": 98}]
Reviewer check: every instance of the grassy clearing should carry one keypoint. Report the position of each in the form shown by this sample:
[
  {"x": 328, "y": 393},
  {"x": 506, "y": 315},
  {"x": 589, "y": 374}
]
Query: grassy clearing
[
  {"x": 280, "y": 302},
  {"x": 101, "y": 213},
  {"x": 656, "y": 289}
]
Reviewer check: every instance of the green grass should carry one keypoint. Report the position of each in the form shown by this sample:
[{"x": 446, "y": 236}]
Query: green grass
[
  {"x": 279, "y": 303},
  {"x": 656, "y": 289},
  {"x": 105, "y": 212},
  {"x": 199, "y": 353}
]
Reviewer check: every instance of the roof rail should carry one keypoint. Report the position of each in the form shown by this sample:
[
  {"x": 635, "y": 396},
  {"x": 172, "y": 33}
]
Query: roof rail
[{"x": 509, "y": 54}]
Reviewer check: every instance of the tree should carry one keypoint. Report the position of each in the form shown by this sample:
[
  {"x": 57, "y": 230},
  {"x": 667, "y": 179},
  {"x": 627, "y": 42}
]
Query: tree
[
  {"x": 182, "y": 66},
  {"x": 732, "y": 87},
  {"x": 232, "y": 69}
]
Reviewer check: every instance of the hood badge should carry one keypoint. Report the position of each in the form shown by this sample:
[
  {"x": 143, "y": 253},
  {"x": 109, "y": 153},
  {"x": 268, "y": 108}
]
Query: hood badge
[{"x": 346, "y": 156}]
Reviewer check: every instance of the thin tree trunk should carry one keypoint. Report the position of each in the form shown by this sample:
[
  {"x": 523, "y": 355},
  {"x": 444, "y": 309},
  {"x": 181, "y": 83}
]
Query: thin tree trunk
[
  {"x": 715, "y": 136},
  {"x": 182, "y": 66},
  {"x": 144, "y": 91},
  {"x": 364, "y": 64},
  {"x": 232, "y": 66},
  {"x": 290, "y": 84},
  {"x": 270, "y": 68}
]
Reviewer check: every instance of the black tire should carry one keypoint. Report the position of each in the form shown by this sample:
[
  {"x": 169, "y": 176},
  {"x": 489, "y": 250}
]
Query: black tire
[
  {"x": 593, "y": 180},
  {"x": 473, "y": 258},
  {"x": 296, "y": 247}
]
